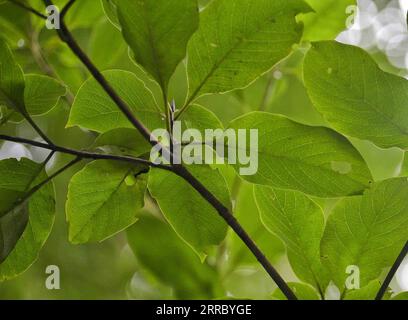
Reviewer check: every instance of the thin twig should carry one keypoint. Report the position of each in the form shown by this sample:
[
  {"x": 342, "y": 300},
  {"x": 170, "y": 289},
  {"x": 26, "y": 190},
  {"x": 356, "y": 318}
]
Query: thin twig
[{"x": 392, "y": 272}]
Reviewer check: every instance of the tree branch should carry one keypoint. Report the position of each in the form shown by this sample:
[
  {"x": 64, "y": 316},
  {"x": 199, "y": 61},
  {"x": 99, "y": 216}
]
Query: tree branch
[
  {"x": 66, "y": 36},
  {"x": 392, "y": 272},
  {"x": 84, "y": 154}
]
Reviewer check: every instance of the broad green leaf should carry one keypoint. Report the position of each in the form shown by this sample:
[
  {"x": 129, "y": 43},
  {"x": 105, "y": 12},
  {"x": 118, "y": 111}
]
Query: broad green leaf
[
  {"x": 171, "y": 260},
  {"x": 125, "y": 140},
  {"x": 239, "y": 40},
  {"x": 157, "y": 31},
  {"x": 355, "y": 96},
  {"x": 40, "y": 212},
  {"x": 11, "y": 80},
  {"x": 301, "y": 290},
  {"x": 367, "y": 231},
  {"x": 246, "y": 212},
  {"x": 328, "y": 19},
  {"x": 103, "y": 199},
  {"x": 299, "y": 223},
  {"x": 94, "y": 109},
  {"x": 41, "y": 93},
  {"x": 130, "y": 141},
  {"x": 315, "y": 160},
  {"x": 368, "y": 292},
  {"x": 191, "y": 216}
]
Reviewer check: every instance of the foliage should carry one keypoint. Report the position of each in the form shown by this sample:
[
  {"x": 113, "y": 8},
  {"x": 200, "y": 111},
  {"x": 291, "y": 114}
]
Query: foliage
[{"x": 330, "y": 122}]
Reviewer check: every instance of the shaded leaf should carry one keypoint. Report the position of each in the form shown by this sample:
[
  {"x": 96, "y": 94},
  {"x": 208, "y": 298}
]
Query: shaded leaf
[
  {"x": 301, "y": 290},
  {"x": 239, "y": 40},
  {"x": 94, "y": 109},
  {"x": 367, "y": 231},
  {"x": 314, "y": 160}
]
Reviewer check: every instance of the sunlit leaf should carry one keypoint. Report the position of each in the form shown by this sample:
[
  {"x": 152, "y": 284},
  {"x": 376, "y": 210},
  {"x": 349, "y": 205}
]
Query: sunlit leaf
[
  {"x": 103, "y": 199},
  {"x": 355, "y": 96},
  {"x": 367, "y": 231},
  {"x": 191, "y": 216},
  {"x": 95, "y": 110},
  {"x": 314, "y": 160}
]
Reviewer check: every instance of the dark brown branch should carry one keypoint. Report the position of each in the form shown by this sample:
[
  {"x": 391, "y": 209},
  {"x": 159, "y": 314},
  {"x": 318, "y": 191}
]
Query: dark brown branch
[{"x": 392, "y": 272}]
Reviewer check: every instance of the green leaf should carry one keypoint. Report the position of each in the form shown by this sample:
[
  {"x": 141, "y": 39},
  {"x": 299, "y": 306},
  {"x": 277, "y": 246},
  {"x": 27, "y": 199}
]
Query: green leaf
[
  {"x": 239, "y": 40},
  {"x": 200, "y": 118},
  {"x": 41, "y": 93},
  {"x": 103, "y": 199},
  {"x": 94, "y": 109},
  {"x": 368, "y": 292},
  {"x": 106, "y": 45},
  {"x": 315, "y": 160},
  {"x": 302, "y": 291},
  {"x": 246, "y": 212},
  {"x": 328, "y": 19},
  {"x": 355, "y": 96},
  {"x": 159, "y": 249},
  {"x": 191, "y": 216},
  {"x": 11, "y": 80},
  {"x": 40, "y": 212},
  {"x": 367, "y": 231},
  {"x": 299, "y": 223},
  {"x": 16, "y": 179},
  {"x": 158, "y": 31}
]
